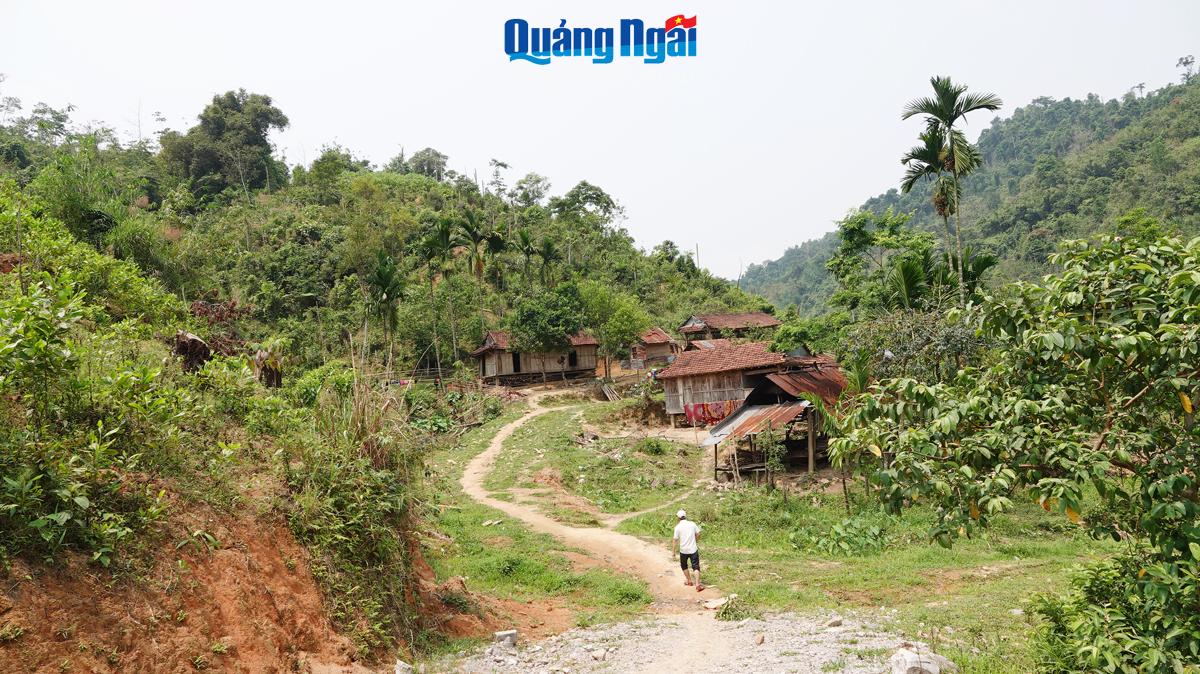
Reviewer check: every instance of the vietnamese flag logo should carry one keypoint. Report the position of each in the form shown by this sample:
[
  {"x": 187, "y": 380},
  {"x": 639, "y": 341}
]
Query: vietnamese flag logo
[{"x": 680, "y": 21}]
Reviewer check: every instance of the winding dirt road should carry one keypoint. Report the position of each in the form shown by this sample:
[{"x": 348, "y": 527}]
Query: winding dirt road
[{"x": 652, "y": 563}]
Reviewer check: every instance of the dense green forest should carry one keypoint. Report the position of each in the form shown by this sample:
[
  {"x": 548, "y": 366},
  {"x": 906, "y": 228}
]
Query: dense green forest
[
  {"x": 304, "y": 250},
  {"x": 1053, "y": 170}
]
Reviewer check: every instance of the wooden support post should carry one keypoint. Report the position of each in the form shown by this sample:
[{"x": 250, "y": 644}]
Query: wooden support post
[
  {"x": 715, "y": 462},
  {"x": 812, "y": 440}
]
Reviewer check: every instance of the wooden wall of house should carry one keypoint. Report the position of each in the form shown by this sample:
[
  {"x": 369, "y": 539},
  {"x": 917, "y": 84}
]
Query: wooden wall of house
[
  {"x": 708, "y": 388},
  {"x": 658, "y": 350},
  {"x": 500, "y": 363}
]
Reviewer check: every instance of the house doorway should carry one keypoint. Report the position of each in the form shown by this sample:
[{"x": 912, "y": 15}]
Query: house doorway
[
  {"x": 573, "y": 359},
  {"x": 516, "y": 362}
]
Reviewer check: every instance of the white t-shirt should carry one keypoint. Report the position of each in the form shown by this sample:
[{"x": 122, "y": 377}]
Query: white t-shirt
[{"x": 685, "y": 533}]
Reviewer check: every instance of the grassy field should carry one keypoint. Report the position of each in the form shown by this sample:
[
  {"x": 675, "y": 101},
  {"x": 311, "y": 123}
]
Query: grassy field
[
  {"x": 966, "y": 601},
  {"x": 506, "y": 560},
  {"x": 615, "y": 475}
]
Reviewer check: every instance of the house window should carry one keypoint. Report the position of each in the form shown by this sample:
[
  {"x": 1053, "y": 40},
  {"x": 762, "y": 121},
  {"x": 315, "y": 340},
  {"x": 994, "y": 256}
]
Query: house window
[
  {"x": 516, "y": 362},
  {"x": 573, "y": 359}
]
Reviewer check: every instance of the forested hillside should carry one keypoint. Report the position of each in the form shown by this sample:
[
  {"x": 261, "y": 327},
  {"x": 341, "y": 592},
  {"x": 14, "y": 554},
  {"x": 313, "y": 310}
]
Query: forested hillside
[
  {"x": 1054, "y": 170},
  {"x": 213, "y": 216},
  {"x": 199, "y": 352}
]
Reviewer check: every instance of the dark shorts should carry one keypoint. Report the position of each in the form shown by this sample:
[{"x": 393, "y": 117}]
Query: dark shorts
[{"x": 684, "y": 557}]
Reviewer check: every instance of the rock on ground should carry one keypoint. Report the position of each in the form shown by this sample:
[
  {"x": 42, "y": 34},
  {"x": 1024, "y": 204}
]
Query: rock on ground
[{"x": 699, "y": 643}]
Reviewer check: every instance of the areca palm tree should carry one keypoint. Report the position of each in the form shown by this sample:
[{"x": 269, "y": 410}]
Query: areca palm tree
[
  {"x": 386, "y": 286},
  {"x": 949, "y": 106},
  {"x": 927, "y": 162},
  {"x": 497, "y": 243},
  {"x": 549, "y": 254},
  {"x": 437, "y": 248},
  {"x": 527, "y": 247},
  {"x": 473, "y": 235}
]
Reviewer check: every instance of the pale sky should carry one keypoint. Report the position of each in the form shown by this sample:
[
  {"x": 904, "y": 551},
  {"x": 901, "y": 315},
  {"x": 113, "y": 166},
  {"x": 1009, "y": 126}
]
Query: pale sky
[{"x": 787, "y": 118}]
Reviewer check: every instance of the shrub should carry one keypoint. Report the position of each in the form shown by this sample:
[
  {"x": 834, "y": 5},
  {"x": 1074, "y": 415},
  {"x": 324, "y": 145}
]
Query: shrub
[
  {"x": 1118, "y": 618},
  {"x": 856, "y": 535},
  {"x": 653, "y": 446}
]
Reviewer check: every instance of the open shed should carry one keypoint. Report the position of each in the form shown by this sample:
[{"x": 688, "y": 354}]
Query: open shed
[{"x": 780, "y": 401}]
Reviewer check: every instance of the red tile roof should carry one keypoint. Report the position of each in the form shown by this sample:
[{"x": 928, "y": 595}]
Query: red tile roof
[
  {"x": 498, "y": 339},
  {"x": 722, "y": 359},
  {"x": 746, "y": 319},
  {"x": 655, "y": 336}
]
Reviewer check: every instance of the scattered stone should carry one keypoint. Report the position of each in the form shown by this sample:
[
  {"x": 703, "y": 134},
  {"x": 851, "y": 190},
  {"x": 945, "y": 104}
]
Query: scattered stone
[
  {"x": 836, "y": 621},
  {"x": 714, "y": 604},
  {"x": 760, "y": 639},
  {"x": 506, "y": 637},
  {"x": 911, "y": 659},
  {"x": 1017, "y": 611},
  {"x": 655, "y": 483},
  {"x": 403, "y": 667}
]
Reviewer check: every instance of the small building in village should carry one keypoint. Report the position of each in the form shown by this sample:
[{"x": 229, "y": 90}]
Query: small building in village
[
  {"x": 716, "y": 326},
  {"x": 707, "y": 385},
  {"x": 780, "y": 402},
  {"x": 498, "y": 363},
  {"x": 653, "y": 347}
]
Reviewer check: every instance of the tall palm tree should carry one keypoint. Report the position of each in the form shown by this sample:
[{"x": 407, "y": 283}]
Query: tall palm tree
[
  {"x": 497, "y": 243},
  {"x": 948, "y": 106},
  {"x": 386, "y": 286},
  {"x": 549, "y": 254},
  {"x": 437, "y": 248},
  {"x": 927, "y": 162},
  {"x": 527, "y": 247},
  {"x": 473, "y": 235}
]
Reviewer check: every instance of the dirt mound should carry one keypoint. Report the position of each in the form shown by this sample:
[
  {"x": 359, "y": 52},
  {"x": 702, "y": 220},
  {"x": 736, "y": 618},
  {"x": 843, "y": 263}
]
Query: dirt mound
[{"x": 244, "y": 601}]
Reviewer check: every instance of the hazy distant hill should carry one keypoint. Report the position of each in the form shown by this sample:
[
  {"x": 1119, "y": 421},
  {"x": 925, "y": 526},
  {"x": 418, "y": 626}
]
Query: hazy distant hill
[{"x": 1054, "y": 170}]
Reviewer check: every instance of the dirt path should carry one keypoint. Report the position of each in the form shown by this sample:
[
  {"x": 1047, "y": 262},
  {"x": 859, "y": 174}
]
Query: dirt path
[
  {"x": 691, "y": 642},
  {"x": 652, "y": 563}
]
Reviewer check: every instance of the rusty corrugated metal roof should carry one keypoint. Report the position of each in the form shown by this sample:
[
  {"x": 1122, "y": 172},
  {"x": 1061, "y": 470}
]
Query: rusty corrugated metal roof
[
  {"x": 822, "y": 377},
  {"x": 755, "y": 419}
]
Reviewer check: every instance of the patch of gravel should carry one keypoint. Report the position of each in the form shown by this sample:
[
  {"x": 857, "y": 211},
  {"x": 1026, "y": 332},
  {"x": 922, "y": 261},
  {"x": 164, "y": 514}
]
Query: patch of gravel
[{"x": 698, "y": 642}]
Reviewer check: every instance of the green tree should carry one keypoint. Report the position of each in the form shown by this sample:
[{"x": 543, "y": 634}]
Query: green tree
[
  {"x": 949, "y": 106},
  {"x": 927, "y": 162},
  {"x": 386, "y": 287},
  {"x": 428, "y": 162},
  {"x": 528, "y": 248},
  {"x": 229, "y": 148},
  {"x": 437, "y": 251},
  {"x": 613, "y": 317},
  {"x": 549, "y": 254},
  {"x": 870, "y": 246},
  {"x": 544, "y": 322},
  {"x": 1094, "y": 386}
]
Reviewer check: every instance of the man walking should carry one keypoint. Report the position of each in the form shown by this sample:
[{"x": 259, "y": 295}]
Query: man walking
[{"x": 686, "y": 540}]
